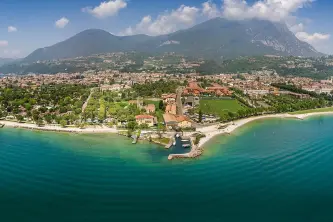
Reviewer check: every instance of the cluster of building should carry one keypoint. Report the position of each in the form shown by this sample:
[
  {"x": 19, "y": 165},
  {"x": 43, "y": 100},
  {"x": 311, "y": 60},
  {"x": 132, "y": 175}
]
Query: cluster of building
[
  {"x": 222, "y": 85},
  {"x": 172, "y": 119},
  {"x": 324, "y": 86},
  {"x": 111, "y": 80},
  {"x": 194, "y": 89},
  {"x": 173, "y": 116},
  {"x": 107, "y": 80}
]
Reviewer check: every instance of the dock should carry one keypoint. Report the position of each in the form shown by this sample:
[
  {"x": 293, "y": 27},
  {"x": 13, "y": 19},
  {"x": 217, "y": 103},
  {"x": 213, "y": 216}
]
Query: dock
[{"x": 195, "y": 152}]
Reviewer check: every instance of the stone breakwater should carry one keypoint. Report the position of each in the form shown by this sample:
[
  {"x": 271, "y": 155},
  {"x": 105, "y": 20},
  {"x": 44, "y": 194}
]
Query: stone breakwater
[
  {"x": 192, "y": 154},
  {"x": 196, "y": 151}
]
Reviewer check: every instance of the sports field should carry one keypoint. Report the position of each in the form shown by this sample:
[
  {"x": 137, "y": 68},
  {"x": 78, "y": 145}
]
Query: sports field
[{"x": 219, "y": 107}]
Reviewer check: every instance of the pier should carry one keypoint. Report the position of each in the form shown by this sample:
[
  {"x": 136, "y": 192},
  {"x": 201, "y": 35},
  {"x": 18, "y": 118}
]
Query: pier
[{"x": 195, "y": 152}]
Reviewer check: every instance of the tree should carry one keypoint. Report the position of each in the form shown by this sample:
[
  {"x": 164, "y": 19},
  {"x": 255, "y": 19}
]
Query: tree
[
  {"x": 40, "y": 122},
  {"x": 200, "y": 116},
  {"x": 35, "y": 115},
  {"x": 144, "y": 126},
  {"x": 231, "y": 115},
  {"x": 161, "y": 105},
  {"x": 63, "y": 123},
  {"x": 129, "y": 133},
  {"x": 19, "y": 118},
  {"x": 131, "y": 125},
  {"x": 48, "y": 118},
  {"x": 160, "y": 129}
]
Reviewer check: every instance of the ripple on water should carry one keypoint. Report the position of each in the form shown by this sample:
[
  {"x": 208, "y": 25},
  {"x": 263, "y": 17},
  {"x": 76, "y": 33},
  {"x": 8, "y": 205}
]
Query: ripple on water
[{"x": 271, "y": 165}]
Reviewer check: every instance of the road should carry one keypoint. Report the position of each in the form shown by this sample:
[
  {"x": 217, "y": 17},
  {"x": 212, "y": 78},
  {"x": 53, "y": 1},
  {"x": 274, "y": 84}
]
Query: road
[
  {"x": 86, "y": 103},
  {"x": 179, "y": 104}
]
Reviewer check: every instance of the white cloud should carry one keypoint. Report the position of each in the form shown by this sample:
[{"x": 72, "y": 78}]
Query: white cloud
[
  {"x": 12, "y": 29},
  {"x": 210, "y": 10},
  {"x": 107, "y": 8},
  {"x": 3, "y": 43},
  {"x": 61, "y": 23},
  {"x": 275, "y": 11},
  {"x": 297, "y": 28},
  {"x": 166, "y": 22},
  {"x": 272, "y": 10},
  {"x": 314, "y": 38},
  {"x": 185, "y": 16}
]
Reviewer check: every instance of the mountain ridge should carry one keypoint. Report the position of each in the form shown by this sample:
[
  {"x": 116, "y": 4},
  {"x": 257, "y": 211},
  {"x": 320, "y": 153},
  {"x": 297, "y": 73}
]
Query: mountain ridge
[
  {"x": 4, "y": 61},
  {"x": 215, "y": 38}
]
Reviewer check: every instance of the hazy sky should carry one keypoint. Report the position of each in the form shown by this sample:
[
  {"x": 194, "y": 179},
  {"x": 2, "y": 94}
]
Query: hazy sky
[{"x": 26, "y": 25}]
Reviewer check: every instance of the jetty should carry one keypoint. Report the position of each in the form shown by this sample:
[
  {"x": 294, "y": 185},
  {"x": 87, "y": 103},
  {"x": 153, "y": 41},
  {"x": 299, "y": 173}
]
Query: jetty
[
  {"x": 195, "y": 152},
  {"x": 171, "y": 143}
]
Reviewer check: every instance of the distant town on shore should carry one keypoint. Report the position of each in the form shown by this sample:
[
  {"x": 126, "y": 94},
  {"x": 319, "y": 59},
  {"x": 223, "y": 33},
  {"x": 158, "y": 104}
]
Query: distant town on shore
[{"x": 160, "y": 102}]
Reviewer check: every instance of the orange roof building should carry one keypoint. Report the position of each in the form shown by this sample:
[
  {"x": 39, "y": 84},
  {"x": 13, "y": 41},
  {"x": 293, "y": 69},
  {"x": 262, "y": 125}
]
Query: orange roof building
[{"x": 150, "y": 108}]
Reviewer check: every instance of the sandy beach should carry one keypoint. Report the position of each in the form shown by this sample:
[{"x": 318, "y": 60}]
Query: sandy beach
[
  {"x": 210, "y": 131},
  {"x": 99, "y": 129},
  {"x": 213, "y": 131}
]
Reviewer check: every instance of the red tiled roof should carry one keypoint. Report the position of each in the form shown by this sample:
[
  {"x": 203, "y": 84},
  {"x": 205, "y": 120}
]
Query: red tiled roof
[{"x": 144, "y": 117}]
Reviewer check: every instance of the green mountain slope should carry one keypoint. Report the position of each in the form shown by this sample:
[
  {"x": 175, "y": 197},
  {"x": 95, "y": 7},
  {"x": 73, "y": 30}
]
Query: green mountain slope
[{"x": 216, "y": 38}]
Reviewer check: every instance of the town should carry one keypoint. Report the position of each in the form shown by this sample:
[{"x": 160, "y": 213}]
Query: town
[
  {"x": 139, "y": 100},
  {"x": 165, "y": 96}
]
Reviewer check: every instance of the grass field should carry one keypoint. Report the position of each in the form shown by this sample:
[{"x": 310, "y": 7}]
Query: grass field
[
  {"x": 320, "y": 110},
  {"x": 219, "y": 107}
]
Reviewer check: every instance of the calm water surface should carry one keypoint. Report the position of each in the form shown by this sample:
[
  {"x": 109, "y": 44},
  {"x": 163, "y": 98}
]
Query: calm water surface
[{"x": 271, "y": 170}]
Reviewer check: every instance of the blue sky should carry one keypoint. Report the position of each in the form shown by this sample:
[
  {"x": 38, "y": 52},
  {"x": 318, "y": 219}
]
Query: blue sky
[{"x": 28, "y": 25}]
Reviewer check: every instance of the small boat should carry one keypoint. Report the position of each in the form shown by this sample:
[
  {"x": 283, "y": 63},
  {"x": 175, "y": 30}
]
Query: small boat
[
  {"x": 177, "y": 135},
  {"x": 185, "y": 140},
  {"x": 174, "y": 143},
  {"x": 186, "y": 145}
]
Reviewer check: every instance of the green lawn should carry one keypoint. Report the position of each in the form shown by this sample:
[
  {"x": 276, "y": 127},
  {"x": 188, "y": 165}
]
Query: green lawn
[
  {"x": 219, "y": 107},
  {"x": 320, "y": 110},
  {"x": 159, "y": 115},
  {"x": 162, "y": 140}
]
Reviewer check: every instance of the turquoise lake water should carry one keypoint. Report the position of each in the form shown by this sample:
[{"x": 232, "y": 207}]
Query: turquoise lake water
[{"x": 270, "y": 170}]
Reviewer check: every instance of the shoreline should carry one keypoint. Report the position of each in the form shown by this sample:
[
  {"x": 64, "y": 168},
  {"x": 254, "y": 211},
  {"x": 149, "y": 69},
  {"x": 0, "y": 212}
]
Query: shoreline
[
  {"x": 197, "y": 150},
  {"x": 213, "y": 131},
  {"x": 50, "y": 128}
]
